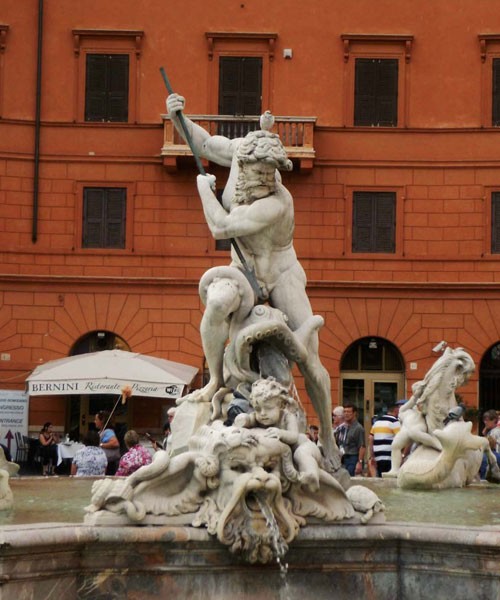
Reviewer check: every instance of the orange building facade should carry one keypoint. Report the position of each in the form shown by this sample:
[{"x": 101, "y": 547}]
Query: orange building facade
[{"x": 392, "y": 121}]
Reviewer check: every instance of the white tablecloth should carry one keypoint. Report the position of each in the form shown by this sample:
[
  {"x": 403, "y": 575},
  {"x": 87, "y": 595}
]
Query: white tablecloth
[{"x": 67, "y": 450}]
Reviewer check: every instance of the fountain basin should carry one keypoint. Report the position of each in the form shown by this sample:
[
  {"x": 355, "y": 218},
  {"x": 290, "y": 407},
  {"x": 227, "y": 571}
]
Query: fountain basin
[{"x": 398, "y": 560}]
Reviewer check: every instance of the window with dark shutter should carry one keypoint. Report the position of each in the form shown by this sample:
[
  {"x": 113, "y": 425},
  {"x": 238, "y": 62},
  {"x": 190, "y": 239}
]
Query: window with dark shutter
[
  {"x": 240, "y": 83},
  {"x": 376, "y": 92},
  {"x": 240, "y": 93},
  {"x": 374, "y": 222},
  {"x": 495, "y": 223},
  {"x": 104, "y": 217},
  {"x": 106, "y": 87},
  {"x": 496, "y": 93}
]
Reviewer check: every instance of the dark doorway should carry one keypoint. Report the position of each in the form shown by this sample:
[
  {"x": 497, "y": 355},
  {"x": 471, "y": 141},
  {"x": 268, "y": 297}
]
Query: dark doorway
[
  {"x": 489, "y": 379},
  {"x": 82, "y": 408}
]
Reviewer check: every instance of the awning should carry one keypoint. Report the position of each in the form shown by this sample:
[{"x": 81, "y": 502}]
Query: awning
[{"x": 107, "y": 372}]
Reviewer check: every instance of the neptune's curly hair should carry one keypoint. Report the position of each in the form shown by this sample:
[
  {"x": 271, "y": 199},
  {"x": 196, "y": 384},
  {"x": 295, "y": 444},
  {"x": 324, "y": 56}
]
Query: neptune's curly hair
[{"x": 263, "y": 146}]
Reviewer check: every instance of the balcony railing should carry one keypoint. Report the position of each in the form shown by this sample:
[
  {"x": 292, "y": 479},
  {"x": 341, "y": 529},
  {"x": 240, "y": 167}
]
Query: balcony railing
[{"x": 296, "y": 133}]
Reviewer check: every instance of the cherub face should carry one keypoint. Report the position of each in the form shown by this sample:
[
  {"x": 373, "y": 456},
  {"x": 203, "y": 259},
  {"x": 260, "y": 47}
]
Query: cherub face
[{"x": 267, "y": 411}]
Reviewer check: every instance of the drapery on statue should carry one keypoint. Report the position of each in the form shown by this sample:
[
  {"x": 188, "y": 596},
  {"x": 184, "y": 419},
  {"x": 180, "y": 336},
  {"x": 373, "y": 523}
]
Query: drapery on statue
[
  {"x": 257, "y": 211},
  {"x": 447, "y": 453}
]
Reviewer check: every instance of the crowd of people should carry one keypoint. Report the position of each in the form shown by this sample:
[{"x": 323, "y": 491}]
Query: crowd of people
[
  {"x": 102, "y": 454},
  {"x": 375, "y": 458}
]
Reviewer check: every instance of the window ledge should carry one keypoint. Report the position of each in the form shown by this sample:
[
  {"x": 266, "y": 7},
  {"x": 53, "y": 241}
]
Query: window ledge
[
  {"x": 78, "y": 34},
  {"x": 214, "y": 36},
  {"x": 406, "y": 39}
]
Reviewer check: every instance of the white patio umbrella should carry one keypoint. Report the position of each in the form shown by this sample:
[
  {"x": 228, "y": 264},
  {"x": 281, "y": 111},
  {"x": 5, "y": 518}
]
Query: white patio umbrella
[{"x": 107, "y": 372}]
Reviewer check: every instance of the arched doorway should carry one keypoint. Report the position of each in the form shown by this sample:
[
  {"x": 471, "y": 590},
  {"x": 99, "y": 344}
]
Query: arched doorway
[
  {"x": 372, "y": 376},
  {"x": 84, "y": 407},
  {"x": 489, "y": 379}
]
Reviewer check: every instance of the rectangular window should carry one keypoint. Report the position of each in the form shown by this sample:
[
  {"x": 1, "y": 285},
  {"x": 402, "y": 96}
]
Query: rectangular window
[
  {"x": 240, "y": 85},
  {"x": 107, "y": 87},
  {"x": 496, "y": 93},
  {"x": 495, "y": 223},
  {"x": 104, "y": 217},
  {"x": 240, "y": 93},
  {"x": 376, "y": 92},
  {"x": 374, "y": 222}
]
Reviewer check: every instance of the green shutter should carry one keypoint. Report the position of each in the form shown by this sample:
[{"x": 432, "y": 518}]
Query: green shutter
[
  {"x": 95, "y": 87},
  {"x": 374, "y": 222},
  {"x": 115, "y": 218},
  {"x": 387, "y": 92},
  {"x": 495, "y": 223},
  {"x": 104, "y": 217},
  {"x": 107, "y": 87},
  {"x": 385, "y": 222},
  {"x": 364, "y": 92},
  {"x": 93, "y": 217},
  {"x": 496, "y": 93},
  {"x": 240, "y": 85},
  {"x": 376, "y": 92},
  {"x": 362, "y": 233},
  {"x": 118, "y": 76}
]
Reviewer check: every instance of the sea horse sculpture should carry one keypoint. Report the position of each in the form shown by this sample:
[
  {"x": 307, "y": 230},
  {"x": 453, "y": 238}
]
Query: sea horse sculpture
[
  {"x": 456, "y": 465},
  {"x": 447, "y": 454}
]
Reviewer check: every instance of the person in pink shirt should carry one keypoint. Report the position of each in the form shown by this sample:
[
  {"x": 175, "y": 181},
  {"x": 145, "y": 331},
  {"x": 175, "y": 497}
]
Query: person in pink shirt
[{"x": 136, "y": 457}]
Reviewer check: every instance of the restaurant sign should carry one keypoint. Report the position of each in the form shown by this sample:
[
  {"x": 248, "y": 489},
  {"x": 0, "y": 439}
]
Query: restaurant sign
[{"x": 108, "y": 386}]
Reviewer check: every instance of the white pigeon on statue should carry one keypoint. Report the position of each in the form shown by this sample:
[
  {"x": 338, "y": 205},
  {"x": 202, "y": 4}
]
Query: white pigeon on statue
[{"x": 266, "y": 121}]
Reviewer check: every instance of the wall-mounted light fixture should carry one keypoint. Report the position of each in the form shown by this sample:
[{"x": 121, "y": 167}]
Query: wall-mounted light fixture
[
  {"x": 287, "y": 53},
  {"x": 440, "y": 347}
]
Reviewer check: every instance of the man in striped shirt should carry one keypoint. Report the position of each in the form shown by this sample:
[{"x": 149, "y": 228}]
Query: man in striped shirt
[{"x": 382, "y": 434}]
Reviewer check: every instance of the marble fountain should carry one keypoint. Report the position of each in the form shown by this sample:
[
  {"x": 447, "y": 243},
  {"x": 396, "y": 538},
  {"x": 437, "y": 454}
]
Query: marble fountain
[
  {"x": 433, "y": 544},
  {"x": 247, "y": 507}
]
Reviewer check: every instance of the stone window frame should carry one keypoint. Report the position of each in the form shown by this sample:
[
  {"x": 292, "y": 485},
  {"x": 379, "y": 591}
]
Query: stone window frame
[
  {"x": 365, "y": 45},
  {"x": 398, "y": 253},
  {"x": 488, "y": 222},
  {"x": 242, "y": 44},
  {"x": 107, "y": 41}
]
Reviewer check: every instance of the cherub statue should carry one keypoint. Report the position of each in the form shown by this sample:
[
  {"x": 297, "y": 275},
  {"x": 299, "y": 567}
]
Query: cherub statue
[
  {"x": 276, "y": 411},
  {"x": 446, "y": 453}
]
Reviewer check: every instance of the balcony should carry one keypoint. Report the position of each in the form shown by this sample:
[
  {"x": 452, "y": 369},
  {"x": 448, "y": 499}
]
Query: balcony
[{"x": 296, "y": 133}]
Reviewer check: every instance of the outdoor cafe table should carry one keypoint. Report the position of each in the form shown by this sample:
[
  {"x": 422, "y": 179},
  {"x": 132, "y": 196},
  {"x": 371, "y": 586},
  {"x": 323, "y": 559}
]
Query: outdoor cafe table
[{"x": 67, "y": 451}]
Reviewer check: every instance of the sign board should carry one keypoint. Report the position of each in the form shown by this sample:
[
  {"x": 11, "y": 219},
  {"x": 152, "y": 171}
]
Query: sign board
[
  {"x": 13, "y": 418},
  {"x": 108, "y": 386}
]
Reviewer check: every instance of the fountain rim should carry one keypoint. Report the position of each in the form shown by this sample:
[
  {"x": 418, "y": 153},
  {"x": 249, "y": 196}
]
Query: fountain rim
[{"x": 58, "y": 534}]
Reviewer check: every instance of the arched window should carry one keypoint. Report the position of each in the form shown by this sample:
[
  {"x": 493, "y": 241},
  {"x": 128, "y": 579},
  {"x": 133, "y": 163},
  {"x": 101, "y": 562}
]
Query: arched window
[{"x": 372, "y": 375}]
